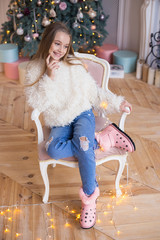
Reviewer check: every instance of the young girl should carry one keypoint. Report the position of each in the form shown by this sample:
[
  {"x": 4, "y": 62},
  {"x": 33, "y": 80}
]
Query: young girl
[{"x": 62, "y": 89}]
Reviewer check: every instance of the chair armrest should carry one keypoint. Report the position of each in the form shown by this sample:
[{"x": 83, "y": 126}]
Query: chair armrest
[
  {"x": 123, "y": 118},
  {"x": 35, "y": 117}
]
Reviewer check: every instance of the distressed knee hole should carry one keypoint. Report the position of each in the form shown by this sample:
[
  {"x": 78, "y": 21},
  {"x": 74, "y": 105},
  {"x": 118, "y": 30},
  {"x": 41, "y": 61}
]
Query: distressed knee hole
[
  {"x": 84, "y": 143},
  {"x": 48, "y": 143}
]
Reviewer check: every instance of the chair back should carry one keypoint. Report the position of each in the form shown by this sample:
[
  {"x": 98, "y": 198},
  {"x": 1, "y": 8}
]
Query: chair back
[{"x": 97, "y": 67}]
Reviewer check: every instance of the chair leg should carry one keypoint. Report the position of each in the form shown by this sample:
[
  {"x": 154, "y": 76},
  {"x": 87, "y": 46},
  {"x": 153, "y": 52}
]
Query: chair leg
[
  {"x": 43, "y": 169},
  {"x": 122, "y": 162}
]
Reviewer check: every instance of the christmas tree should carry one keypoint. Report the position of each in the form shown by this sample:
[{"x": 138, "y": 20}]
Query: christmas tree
[{"x": 27, "y": 20}]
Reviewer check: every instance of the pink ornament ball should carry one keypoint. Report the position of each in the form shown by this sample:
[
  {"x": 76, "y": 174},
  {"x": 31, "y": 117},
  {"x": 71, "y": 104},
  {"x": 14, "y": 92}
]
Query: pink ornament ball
[
  {"x": 63, "y": 6},
  {"x": 35, "y": 35},
  {"x": 93, "y": 27}
]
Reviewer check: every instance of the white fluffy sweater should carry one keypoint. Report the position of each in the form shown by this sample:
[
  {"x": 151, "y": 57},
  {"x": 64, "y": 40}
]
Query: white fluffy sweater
[{"x": 72, "y": 92}]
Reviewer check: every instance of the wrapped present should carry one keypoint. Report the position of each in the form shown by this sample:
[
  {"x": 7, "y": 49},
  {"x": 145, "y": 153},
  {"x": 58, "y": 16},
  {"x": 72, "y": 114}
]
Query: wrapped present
[
  {"x": 22, "y": 71},
  {"x": 11, "y": 69},
  {"x": 127, "y": 59},
  {"x": 8, "y": 53},
  {"x": 106, "y": 52}
]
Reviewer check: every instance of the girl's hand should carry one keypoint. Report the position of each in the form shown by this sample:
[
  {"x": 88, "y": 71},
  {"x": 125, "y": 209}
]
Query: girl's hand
[
  {"x": 125, "y": 105},
  {"x": 52, "y": 65}
]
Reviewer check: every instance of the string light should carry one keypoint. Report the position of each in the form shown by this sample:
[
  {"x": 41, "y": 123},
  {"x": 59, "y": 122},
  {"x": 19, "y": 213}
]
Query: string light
[
  {"x": 18, "y": 235},
  {"x": 73, "y": 211},
  {"x": 67, "y": 224},
  {"x": 6, "y": 230},
  {"x": 78, "y": 216}
]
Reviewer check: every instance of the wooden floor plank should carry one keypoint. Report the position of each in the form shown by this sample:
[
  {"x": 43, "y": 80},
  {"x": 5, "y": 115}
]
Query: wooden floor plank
[{"x": 19, "y": 161}]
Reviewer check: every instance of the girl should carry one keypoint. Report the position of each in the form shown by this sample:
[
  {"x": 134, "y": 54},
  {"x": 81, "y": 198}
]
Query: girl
[{"x": 61, "y": 88}]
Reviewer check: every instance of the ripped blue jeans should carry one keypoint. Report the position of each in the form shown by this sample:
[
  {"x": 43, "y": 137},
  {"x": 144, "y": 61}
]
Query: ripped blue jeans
[{"x": 77, "y": 139}]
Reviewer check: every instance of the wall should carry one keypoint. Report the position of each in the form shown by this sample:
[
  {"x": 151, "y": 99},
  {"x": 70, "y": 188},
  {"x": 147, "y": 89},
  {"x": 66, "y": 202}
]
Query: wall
[
  {"x": 127, "y": 34},
  {"x": 130, "y": 27},
  {"x": 3, "y": 9}
]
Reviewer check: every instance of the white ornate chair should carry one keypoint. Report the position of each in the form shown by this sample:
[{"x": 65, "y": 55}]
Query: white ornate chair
[{"x": 100, "y": 70}]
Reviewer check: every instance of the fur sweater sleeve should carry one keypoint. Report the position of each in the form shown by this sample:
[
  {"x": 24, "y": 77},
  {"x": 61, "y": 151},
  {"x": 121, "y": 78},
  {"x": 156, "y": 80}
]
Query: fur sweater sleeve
[{"x": 35, "y": 94}]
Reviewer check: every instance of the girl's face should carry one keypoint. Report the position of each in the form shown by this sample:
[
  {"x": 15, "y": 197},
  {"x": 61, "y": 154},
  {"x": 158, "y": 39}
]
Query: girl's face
[{"x": 59, "y": 45}]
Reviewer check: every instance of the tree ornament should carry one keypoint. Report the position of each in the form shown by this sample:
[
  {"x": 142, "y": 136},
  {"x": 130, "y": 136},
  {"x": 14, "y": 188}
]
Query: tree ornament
[
  {"x": 35, "y": 35},
  {"x": 56, "y": 1},
  {"x": 75, "y": 24},
  {"x": 39, "y": 3},
  {"x": 79, "y": 15},
  {"x": 102, "y": 17},
  {"x": 13, "y": 6},
  {"x": 27, "y": 38},
  {"x": 45, "y": 21},
  {"x": 20, "y": 30},
  {"x": 52, "y": 13},
  {"x": 26, "y": 11},
  {"x": 74, "y": 1},
  {"x": 93, "y": 27},
  {"x": 63, "y": 6},
  {"x": 19, "y": 14},
  {"x": 92, "y": 13}
]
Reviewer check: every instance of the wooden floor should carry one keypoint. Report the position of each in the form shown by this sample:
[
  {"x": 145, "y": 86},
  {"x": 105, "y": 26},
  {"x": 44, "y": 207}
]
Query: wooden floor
[{"x": 136, "y": 215}]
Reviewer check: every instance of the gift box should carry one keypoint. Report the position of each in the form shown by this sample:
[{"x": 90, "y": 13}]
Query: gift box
[
  {"x": 106, "y": 52},
  {"x": 11, "y": 69},
  {"x": 8, "y": 53},
  {"x": 22, "y": 71},
  {"x": 127, "y": 59}
]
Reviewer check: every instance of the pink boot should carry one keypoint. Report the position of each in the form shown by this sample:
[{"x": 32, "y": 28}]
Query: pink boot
[
  {"x": 88, "y": 212},
  {"x": 113, "y": 136}
]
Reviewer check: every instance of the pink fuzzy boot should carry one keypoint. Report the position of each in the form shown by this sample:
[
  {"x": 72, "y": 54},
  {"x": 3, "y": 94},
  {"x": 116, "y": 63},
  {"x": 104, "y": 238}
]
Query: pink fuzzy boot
[
  {"x": 113, "y": 136},
  {"x": 88, "y": 211}
]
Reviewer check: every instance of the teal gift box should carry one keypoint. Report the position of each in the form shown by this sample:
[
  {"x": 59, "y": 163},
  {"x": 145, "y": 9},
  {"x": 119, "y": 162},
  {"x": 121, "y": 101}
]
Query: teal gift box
[
  {"x": 127, "y": 59},
  {"x": 8, "y": 53}
]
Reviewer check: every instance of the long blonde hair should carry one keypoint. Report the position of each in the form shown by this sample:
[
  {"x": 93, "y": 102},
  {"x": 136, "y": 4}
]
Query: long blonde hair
[
  {"x": 45, "y": 44},
  {"x": 48, "y": 38}
]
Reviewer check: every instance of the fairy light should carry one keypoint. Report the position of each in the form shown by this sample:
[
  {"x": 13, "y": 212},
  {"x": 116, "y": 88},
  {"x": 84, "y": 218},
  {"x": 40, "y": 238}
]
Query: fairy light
[
  {"x": 18, "y": 235},
  {"x": 78, "y": 216},
  {"x": 73, "y": 211},
  {"x": 74, "y": 42},
  {"x": 9, "y": 219},
  {"x": 8, "y": 210},
  {"x": 118, "y": 232},
  {"x": 98, "y": 220},
  {"x": 109, "y": 205},
  {"x": 103, "y": 105},
  {"x": 2, "y": 213},
  {"x": 8, "y": 31},
  {"x": 67, "y": 224},
  {"x": 105, "y": 212},
  {"x": 6, "y": 230},
  {"x": 52, "y": 226},
  {"x": 111, "y": 221},
  {"x": 48, "y": 214}
]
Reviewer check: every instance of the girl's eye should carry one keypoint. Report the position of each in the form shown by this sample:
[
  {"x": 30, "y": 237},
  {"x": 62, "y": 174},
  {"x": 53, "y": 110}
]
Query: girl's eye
[{"x": 57, "y": 44}]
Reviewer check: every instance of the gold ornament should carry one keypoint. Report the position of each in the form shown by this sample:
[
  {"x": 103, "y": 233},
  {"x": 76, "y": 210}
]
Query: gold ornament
[
  {"x": 45, "y": 22},
  {"x": 92, "y": 13},
  {"x": 52, "y": 13}
]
